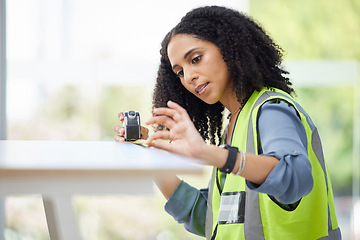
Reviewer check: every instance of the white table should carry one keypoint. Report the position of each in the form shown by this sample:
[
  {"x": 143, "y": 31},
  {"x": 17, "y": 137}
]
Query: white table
[{"x": 60, "y": 169}]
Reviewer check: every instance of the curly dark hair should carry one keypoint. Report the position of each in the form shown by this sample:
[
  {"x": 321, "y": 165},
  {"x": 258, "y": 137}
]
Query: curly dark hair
[{"x": 252, "y": 58}]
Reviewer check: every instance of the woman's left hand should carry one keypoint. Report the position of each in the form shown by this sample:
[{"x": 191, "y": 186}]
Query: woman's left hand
[
  {"x": 183, "y": 136},
  {"x": 119, "y": 129}
]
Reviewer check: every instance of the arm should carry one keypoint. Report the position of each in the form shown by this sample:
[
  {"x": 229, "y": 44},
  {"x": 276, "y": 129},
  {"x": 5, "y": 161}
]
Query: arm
[
  {"x": 167, "y": 185},
  {"x": 188, "y": 205},
  {"x": 283, "y": 140},
  {"x": 186, "y": 140},
  {"x": 283, "y": 136}
]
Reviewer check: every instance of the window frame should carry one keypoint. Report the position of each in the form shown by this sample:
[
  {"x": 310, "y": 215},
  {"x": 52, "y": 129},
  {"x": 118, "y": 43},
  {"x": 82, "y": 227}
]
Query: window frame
[{"x": 2, "y": 69}]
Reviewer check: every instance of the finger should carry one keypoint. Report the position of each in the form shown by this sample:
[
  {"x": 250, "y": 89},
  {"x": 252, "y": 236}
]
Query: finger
[
  {"x": 180, "y": 112},
  {"x": 144, "y": 132},
  {"x": 116, "y": 127},
  {"x": 119, "y": 129},
  {"x": 176, "y": 107},
  {"x": 119, "y": 138},
  {"x": 161, "y": 145},
  {"x": 165, "y": 111},
  {"x": 121, "y": 116},
  {"x": 163, "y": 120},
  {"x": 164, "y": 135}
]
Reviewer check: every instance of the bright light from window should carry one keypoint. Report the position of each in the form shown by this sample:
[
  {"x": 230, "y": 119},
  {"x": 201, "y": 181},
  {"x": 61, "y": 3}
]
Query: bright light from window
[{"x": 89, "y": 44}]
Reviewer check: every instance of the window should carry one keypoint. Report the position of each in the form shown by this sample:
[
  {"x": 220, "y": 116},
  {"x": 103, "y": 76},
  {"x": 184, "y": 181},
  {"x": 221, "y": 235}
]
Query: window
[{"x": 72, "y": 65}]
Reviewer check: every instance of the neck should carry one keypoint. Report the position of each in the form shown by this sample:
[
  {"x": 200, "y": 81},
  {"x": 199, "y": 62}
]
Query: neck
[
  {"x": 232, "y": 115},
  {"x": 233, "y": 106},
  {"x": 236, "y": 111}
]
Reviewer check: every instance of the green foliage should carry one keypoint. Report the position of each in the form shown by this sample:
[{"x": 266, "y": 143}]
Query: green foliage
[
  {"x": 333, "y": 117},
  {"x": 114, "y": 99},
  {"x": 127, "y": 217},
  {"x": 77, "y": 113},
  {"x": 66, "y": 114},
  {"x": 312, "y": 29}
]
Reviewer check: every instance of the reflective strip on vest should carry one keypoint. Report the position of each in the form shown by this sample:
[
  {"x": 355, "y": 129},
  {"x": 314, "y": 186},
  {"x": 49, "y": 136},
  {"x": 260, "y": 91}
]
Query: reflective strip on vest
[{"x": 253, "y": 228}]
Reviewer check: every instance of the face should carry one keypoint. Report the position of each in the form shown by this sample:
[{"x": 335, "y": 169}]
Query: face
[{"x": 200, "y": 67}]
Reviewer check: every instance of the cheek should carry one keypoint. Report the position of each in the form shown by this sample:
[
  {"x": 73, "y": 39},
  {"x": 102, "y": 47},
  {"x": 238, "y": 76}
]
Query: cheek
[
  {"x": 186, "y": 86},
  {"x": 218, "y": 67},
  {"x": 223, "y": 70}
]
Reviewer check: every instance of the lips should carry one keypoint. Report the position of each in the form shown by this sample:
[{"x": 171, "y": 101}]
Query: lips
[{"x": 199, "y": 89}]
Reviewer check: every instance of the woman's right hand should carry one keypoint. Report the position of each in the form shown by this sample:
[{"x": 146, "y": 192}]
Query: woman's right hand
[
  {"x": 182, "y": 136},
  {"x": 119, "y": 129}
]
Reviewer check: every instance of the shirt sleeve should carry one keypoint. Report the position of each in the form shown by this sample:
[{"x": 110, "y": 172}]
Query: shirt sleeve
[
  {"x": 188, "y": 205},
  {"x": 283, "y": 136}
]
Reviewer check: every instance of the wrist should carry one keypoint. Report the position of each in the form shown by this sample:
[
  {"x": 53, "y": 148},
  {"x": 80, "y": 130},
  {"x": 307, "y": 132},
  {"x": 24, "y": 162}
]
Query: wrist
[
  {"x": 231, "y": 159},
  {"x": 212, "y": 155}
]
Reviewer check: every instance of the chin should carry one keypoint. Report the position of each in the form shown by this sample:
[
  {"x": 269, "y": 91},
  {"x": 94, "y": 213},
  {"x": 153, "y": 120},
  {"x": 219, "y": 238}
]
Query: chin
[{"x": 209, "y": 101}]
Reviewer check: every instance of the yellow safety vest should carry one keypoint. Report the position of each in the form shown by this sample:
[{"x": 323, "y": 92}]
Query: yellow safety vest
[{"x": 236, "y": 212}]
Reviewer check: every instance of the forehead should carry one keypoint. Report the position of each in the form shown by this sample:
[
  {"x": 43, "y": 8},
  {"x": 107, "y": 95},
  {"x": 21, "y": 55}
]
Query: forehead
[
  {"x": 183, "y": 38},
  {"x": 181, "y": 43}
]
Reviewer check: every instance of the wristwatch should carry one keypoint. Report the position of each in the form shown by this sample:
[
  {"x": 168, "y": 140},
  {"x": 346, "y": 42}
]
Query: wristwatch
[{"x": 231, "y": 159}]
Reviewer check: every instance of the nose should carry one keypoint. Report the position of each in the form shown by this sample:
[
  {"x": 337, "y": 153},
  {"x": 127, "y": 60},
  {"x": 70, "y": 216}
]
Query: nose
[{"x": 190, "y": 76}]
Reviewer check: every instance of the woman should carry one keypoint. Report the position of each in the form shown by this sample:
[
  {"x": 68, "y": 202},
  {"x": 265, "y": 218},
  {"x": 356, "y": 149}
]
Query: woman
[{"x": 270, "y": 180}]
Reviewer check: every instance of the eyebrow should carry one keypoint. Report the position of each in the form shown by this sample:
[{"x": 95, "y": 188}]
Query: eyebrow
[{"x": 186, "y": 55}]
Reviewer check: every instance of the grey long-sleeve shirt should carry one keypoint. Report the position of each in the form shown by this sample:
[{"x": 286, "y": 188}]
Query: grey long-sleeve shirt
[{"x": 283, "y": 136}]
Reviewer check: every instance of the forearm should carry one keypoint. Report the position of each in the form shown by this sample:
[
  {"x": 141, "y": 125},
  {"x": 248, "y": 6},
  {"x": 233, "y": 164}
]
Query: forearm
[
  {"x": 187, "y": 205},
  {"x": 167, "y": 185},
  {"x": 290, "y": 180},
  {"x": 256, "y": 169}
]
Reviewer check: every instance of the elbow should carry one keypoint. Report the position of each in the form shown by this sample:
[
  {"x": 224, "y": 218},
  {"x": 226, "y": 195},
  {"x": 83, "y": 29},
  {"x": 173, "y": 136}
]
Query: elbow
[
  {"x": 294, "y": 195},
  {"x": 195, "y": 228},
  {"x": 301, "y": 185}
]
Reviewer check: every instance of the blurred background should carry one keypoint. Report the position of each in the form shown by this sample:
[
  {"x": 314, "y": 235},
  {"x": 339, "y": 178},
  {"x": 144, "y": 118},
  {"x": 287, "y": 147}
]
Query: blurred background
[{"x": 72, "y": 65}]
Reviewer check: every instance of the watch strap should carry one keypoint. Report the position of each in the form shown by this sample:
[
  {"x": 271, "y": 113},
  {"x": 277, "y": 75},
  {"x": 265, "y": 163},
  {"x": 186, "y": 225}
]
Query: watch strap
[{"x": 231, "y": 159}]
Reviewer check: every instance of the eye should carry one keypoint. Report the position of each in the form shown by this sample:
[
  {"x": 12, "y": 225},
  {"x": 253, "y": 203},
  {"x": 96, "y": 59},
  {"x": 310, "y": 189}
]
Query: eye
[
  {"x": 196, "y": 59},
  {"x": 180, "y": 73}
]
